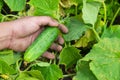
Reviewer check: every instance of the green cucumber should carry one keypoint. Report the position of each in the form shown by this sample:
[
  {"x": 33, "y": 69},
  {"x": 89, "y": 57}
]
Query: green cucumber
[{"x": 41, "y": 44}]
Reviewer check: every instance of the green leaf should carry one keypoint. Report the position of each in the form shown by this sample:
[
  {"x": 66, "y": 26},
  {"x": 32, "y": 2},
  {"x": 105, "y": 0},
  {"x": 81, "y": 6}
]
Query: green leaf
[
  {"x": 52, "y": 72},
  {"x": 16, "y": 5},
  {"x": 69, "y": 56},
  {"x": 36, "y": 74},
  {"x": 84, "y": 72},
  {"x": 30, "y": 75},
  {"x": 7, "y": 56},
  {"x": 105, "y": 59},
  {"x": 1, "y": 4},
  {"x": 90, "y": 11},
  {"x": 5, "y": 68},
  {"x": 113, "y": 31},
  {"x": 1, "y": 16},
  {"x": 45, "y": 7},
  {"x": 17, "y": 56},
  {"x": 76, "y": 29}
]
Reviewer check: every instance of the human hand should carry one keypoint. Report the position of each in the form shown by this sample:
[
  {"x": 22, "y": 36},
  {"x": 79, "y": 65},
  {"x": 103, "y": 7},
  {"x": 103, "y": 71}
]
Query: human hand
[{"x": 25, "y": 30}]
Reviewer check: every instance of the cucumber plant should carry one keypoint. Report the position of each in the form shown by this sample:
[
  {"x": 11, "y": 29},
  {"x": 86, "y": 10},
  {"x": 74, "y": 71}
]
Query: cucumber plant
[{"x": 92, "y": 44}]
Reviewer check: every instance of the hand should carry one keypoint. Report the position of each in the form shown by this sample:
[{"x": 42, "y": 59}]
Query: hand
[{"x": 25, "y": 30}]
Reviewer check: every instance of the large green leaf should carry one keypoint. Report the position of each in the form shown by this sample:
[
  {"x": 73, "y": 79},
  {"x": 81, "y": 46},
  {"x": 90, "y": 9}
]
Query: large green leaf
[
  {"x": 90, "y": 11},
  {"x": 52, "y": 72},
  {"x": 105, "y": 59},
  {"x": 1, "y": 16},
  {"x": 45, "y": 7},
  {"x": 1, "y": 4},
  {"x": 16, "y": 5},
  {"x": 69, "y": 56},
  {"x": 76, "y": 29},
  {"x": 113, "y": 31},
  {"x": 7, "y": 56},
  {"x": 5, "y": 68},
  {"x": 17, "y": 56},
  {"x": 84, "y": 72},
  {"x": 30, "y": 75}
]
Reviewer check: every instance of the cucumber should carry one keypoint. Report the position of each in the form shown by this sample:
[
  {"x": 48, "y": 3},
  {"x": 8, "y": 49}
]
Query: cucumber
[{"x": 41, "y": 44}]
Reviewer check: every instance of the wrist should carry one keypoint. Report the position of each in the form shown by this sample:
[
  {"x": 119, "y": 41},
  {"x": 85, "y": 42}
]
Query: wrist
[{"x": 5, "y": 35}]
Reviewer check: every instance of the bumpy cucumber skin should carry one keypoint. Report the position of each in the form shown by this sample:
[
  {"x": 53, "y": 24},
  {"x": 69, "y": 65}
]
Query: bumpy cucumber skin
[{"x": 41, "y": 44}]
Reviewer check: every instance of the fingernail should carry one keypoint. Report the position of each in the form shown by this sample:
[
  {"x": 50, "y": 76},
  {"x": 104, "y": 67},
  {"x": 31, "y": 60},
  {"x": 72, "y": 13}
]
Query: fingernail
[
  {"x": 63, "y": 28},
  {"x": 60, "y": 40},
  {"x": 59, "y": 48},
  {"x": 55, "y": 22}
]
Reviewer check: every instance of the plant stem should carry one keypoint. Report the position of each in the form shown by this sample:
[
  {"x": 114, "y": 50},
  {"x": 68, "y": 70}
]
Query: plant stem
[
  {"x": 55, "y": 60},
  {"x": 62, "y": 4},
  {"x": 68, "y": 75},
  {"x": 76, "y": 10},
  {"x": 105, "y": 12},
  {"x": 18, "y": 65},
  {"x": 29, "y": 67},
  {"x": 9, "y": 16},
  {"x": 115, "y": 16},
  {"x": 96, "y": 34}
]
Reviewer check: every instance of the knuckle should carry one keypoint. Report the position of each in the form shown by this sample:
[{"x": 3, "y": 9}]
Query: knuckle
[{"x": 47, "y": 17}]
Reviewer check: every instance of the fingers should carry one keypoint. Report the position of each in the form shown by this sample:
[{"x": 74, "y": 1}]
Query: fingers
[
  {"x": 45, "y": 20},
  {"x": 63, "y": 28},
  {"x": 60, "y": 40},
  {"x": 48, "y": 55},
  {"x": 34, "y": 35},
  {"x": 56, "y": 47}
]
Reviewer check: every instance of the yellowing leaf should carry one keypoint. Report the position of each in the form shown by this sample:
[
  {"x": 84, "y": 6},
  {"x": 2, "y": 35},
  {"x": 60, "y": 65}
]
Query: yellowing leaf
[
  {"x": 69, "y": 3},
  {"x": 86, "y": 39}
]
